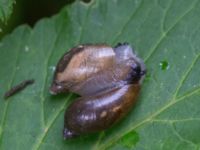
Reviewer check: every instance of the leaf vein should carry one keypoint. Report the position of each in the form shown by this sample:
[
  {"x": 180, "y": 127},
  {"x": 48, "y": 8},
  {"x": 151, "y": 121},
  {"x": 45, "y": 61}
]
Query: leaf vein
[
  {"x": 175, "y": 120},
  {"x": 84, "y": 24},
  {"x": 162, "y": 37},
  {"x": 43, "y": 134},
  {"x": 45, "y": 78},
  {"x": 184, "y": 77},
  {"x": 165, "y": 14},
  {"x": 10, "y": 84},
  {"x": 149, "y": 118},
  {"x": 180, "y": 137},
  {"x": 128, "y": 21}
]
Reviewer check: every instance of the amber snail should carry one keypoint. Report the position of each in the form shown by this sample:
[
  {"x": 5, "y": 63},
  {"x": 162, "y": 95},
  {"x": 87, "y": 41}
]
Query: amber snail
[{"x": 108, "y": 81}]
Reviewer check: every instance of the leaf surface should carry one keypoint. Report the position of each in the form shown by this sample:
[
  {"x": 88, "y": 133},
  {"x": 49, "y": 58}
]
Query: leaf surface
[
  {"x": 167, "y": 114},
  {"x": 6, "y": 7}
]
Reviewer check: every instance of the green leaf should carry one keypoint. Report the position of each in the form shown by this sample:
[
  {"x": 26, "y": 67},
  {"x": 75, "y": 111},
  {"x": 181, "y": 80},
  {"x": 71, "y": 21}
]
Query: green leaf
[
  {"x": 167, "y": 114},
  {"x": 6, "y": 7},
  {"x": 130, "y": 139}
]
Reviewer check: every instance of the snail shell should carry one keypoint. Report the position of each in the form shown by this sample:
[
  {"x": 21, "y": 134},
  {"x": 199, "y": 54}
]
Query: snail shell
[{"x": 108, "y": 81}]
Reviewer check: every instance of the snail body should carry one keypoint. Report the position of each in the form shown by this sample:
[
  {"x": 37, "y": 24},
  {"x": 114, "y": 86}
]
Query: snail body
[{"x": 108, "y": 81}]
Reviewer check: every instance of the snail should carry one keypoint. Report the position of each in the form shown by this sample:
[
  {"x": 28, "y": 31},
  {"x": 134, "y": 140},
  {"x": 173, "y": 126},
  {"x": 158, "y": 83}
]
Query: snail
[{"x": 108, "y": 81}]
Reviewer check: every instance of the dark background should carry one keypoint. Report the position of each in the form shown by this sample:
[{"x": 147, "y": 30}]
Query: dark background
[{"x": 30, "y": 11}]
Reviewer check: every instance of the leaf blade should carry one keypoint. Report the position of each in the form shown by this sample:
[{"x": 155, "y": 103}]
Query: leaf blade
[
  {"x": 166, "y": 98},
  {"x": 6, "y": 9}
]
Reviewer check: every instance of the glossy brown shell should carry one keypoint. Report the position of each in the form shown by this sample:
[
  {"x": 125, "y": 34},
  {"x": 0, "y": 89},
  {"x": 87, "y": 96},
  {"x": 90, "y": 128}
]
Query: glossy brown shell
[
  {"x": 99, "y": 112},
  {"x": 80, "y": 64},
  {"x": 108, "y": 81}
]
